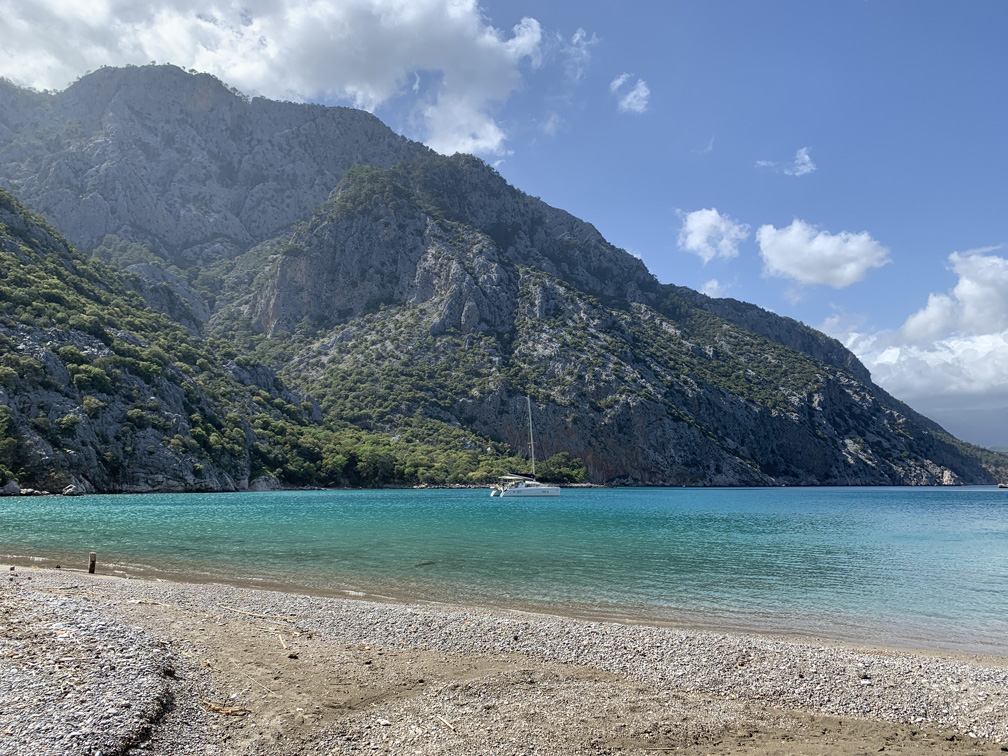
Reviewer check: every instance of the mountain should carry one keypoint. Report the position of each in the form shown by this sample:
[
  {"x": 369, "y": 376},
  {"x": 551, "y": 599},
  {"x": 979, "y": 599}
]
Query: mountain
[
  {"x": 414, "y": 299},
  {"x": 99, "y": 393}
]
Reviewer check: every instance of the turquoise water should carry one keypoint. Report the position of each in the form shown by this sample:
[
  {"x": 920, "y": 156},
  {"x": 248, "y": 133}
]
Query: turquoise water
[{"x": 899, "y": 566}]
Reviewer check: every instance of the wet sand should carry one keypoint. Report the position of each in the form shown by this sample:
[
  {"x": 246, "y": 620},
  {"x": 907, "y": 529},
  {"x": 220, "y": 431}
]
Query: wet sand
[{"x": 234, "y": 670}]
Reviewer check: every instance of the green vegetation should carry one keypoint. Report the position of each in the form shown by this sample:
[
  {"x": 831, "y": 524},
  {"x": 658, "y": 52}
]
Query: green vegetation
[
  {"x": 712, "y": 352},
  {"x": 13, "y": 454},
  {"x": 116, "y": 351},
  {"x": 366, "y": 189},
  {"x": 119, "y": 253}
]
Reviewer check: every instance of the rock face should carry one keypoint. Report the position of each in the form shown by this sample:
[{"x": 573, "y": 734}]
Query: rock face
[
  {"x": 179, "y": 162},
  {"x": 393, "y": 288}
]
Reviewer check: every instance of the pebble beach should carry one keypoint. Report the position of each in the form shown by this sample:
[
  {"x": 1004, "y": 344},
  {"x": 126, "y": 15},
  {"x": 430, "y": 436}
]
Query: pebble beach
[{"x": 95, "y": 664}]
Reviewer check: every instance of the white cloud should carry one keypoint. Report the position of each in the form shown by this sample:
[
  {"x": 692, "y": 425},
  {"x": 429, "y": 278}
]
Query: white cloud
[
  {"x": 456, "y": 126},
  {"x": 709, "y": 234},
  {"x": 364, "y": 52},
  {"x": 950, "y": 358},
  {"x": 808, "y": 255},
  {"x": 802, "y": 164},
  {"x": 959, "y": 364},
  {"x": 958, "y": 342},
  {"x": 577, "y": 54},
  {"x": 714, "y": 288},
  {"x": 633, "y": 100},
  {"x": 930, "y": 322},
  {"x": 977, "y": 305},
  {"x": 636, "y": 100}
]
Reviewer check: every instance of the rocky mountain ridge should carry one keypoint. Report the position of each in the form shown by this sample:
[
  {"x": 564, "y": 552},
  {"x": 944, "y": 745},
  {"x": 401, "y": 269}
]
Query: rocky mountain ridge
[
  {"x": 179, "y": 162},
  {"x": 416, "y": 299}
]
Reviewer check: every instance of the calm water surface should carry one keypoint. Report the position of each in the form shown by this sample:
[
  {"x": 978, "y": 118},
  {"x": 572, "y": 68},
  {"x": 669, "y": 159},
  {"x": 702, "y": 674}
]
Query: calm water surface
[{"x": 900, "y": 566}]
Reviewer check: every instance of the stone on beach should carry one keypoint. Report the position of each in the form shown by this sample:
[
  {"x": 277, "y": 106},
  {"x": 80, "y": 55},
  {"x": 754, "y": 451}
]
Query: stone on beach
[{"x": 254, "y": 671}]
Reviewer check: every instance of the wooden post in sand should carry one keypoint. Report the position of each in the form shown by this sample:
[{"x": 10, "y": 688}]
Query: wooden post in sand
[{"x": 92, "y": 558}]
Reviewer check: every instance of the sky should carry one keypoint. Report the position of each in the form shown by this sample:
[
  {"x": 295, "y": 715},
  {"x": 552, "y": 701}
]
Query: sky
[{"x": 842, "y": 163}]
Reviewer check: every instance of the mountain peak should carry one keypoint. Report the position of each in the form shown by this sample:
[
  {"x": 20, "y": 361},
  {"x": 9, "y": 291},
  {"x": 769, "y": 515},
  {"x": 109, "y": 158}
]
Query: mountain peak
[{"x": 179, "y": 162}]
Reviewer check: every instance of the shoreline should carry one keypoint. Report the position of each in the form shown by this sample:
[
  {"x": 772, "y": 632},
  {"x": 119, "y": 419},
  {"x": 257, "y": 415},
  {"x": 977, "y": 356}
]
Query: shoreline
[
  {"x": 16, "y": 490},
  {"x": 30, "y": 492},
  {"x": 231, "y": 670},
  {"x": 858, "y": 636},
  {"x": 827, "y": 631}
]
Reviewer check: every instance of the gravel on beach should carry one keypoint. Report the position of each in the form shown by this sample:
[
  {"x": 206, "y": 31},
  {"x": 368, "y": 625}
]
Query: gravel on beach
[
  {"x": 95, "y": 664},
  {"x": 73, "y": 680}
]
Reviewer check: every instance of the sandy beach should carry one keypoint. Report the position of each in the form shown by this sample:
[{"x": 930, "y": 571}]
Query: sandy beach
[{"x": 99, "y": 664}]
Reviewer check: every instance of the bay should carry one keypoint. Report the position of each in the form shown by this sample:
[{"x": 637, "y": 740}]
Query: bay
[{"x": 909, "y": 567}]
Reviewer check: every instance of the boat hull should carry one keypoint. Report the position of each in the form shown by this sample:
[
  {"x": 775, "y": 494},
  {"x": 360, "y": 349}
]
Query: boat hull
[{"x": 531, "y": 491}]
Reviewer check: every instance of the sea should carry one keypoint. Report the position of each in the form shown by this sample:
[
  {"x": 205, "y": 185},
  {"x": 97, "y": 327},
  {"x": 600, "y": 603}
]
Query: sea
[{"x": 922, "y": 568}]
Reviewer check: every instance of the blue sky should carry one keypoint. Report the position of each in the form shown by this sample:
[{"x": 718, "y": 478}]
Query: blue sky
[{"x": 841, "y": 163}]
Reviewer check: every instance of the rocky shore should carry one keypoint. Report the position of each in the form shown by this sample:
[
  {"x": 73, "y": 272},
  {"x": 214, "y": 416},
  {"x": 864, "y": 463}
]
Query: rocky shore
[{"x": 95, "y": 664}]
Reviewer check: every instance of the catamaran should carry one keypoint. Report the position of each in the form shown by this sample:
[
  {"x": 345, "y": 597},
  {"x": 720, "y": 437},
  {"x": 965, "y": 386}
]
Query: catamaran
[{"x": 524, "y": 485}]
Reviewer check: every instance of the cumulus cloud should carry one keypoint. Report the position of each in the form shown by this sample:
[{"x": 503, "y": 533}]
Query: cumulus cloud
[
  {"x": 632, "y": 100},
  {"x": 709, "y": 234},
  {"x": 802, "y": 164},
  {"x": 950, "y": 358},
  {"x": 959, "y": 380},
  {"x": 364, "y": 52},
  {"x": 808, "y": 255},
  {"x": 957, "y": 342},
  {"x": 977, "y": 305},
  {"x": 956, "y": 364}
]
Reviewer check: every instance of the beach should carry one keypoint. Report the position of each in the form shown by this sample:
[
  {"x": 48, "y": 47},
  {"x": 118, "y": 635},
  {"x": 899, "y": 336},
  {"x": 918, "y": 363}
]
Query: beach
[{"x": 106, "y": 664}]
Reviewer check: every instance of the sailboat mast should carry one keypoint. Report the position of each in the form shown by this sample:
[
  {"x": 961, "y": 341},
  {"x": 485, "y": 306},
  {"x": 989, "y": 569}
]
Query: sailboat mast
[{"x": 528, "y": 402}]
